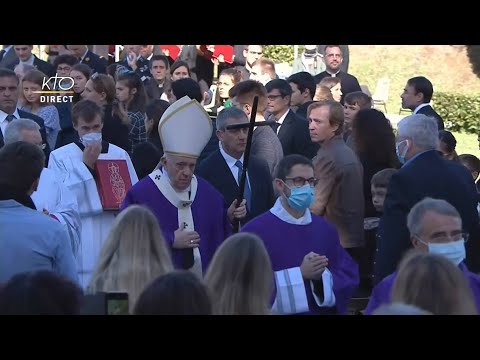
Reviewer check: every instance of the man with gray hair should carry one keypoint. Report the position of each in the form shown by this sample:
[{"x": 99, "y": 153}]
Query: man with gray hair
[
  {"x": 435, "y": 226},
  {"x": 423, "y": 174},
  {"x": 223, "y": 168},
  {"x": 51, "y": 197}
]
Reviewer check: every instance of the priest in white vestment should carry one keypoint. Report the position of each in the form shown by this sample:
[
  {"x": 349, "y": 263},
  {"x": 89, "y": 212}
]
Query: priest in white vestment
[{"x": 75, "y": 163}]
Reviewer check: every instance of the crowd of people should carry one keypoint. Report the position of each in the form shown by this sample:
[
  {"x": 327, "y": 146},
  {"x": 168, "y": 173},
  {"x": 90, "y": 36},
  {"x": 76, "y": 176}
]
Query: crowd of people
[{"x": 328, "y": 204}]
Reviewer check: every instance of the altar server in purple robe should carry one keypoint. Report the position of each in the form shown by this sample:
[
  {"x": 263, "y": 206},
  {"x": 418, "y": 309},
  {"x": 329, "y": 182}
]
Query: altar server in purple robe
[
  {"x": 313, "y": 272},
  {"x": 192, "y": 214},
  {"x": 435, "y": 226}
]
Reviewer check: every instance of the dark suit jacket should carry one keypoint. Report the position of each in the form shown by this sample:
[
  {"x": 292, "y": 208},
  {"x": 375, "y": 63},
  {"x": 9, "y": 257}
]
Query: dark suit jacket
[
  {"x": 349, "y": 82},
  {"x": 302, "y": 109},
  {"x": 114, "y": 131},
  {"x": 215, "y": 170},
  {"x": 428, "y": 110},
  {"x": 95, "y": 62},
  {"x": 153, "y": 91},
  {"x": 43, "y": 131},
  {"x": 427, "y": 175},
  {"x": 142, "y": 70},
  {"x": 8, "y": 58},
  {"x": 41, "y": 65},
  {"x": 295, "y": 136}
]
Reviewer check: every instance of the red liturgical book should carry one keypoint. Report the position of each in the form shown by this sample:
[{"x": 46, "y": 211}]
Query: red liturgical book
[
  {"x": 113, "y": 182},
  {"x": 226, "y": 51}
]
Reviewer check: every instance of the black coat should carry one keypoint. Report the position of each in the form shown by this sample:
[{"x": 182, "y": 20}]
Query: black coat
[
  {"x": 295, "y": 136},
  {"x": 215, "y": 170},
  {"x": 428, "y": 110},
  {"x": 427, "y": 175}
]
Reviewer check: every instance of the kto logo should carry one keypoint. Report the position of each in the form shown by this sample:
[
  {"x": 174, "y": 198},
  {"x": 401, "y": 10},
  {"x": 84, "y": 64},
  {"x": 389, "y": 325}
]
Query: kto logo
[{"x": 64, "y": 83}]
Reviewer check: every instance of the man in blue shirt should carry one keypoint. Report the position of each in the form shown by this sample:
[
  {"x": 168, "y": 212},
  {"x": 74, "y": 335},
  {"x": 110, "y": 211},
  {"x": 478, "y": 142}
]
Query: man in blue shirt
[{"x": 29, "y": 240}]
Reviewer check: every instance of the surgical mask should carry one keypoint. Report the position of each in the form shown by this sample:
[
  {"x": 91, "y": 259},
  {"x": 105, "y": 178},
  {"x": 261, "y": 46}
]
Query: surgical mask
[
  {"x": 401, "y": 157},
  {"x": 301, "y": 197},
  {"x": 91, "y": 138},
  {"x": 454, "y": 251}
]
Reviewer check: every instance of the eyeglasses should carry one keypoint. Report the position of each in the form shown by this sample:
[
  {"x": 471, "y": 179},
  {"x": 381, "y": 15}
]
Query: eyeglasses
[
  {"x": 64, "y": 68},
  {"x": 445, "y": 239},
  {"x": 255, "y": 52},
  {"x": 273, "y": 97},
  {"x": 299, "y": 181}
]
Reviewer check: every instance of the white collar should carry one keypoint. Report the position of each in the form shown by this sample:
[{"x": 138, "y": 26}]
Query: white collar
[
  {"x": 230, "y": 160},
  {"x": 280, "y": 121},
  {"x": 3, "y": 115},
  {"x": 84, "y": 54},
  {"x": 332, "y": 75},
  {"x": 419, "y": 107},
  {"x": 279, "y": 211}
]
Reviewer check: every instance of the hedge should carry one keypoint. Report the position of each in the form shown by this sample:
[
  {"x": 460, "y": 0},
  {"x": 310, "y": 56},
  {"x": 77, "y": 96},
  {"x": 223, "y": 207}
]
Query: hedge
[
  {"x": 459, "y": 112},
  {"x": 280, "y": 53}
]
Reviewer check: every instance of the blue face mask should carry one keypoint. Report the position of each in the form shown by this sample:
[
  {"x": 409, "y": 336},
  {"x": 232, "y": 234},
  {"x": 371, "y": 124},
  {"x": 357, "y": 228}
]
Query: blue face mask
[
  {"x": 454, "y": 250},
  {"x": 301, "y": 197},
  {"x": 401, "y": 157}
]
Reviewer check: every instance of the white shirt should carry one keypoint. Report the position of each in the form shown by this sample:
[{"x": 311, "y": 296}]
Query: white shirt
[
  {"x": 3, "y": 120},
  {"x": 280, "y": 121},
  {"x": 419, "y": 107},
  {"x": 29, "y": 61},
  {"x": 84, "y": 54},
  {"x": 231, "y": 162}
]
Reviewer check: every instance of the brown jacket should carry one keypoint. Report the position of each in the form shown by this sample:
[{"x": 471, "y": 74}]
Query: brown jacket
[{"x": 339, "y": 192}]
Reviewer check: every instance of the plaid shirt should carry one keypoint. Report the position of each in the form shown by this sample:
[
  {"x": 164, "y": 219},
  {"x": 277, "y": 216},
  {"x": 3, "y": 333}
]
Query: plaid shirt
[{"x": 138, "y": 132}]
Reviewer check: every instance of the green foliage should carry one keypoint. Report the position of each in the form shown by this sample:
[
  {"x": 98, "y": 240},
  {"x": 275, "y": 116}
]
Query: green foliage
[
  {"x": 459, "y": 112},
  {"x": 280, "y": 53},
  {"x": 473, "y": 52}
]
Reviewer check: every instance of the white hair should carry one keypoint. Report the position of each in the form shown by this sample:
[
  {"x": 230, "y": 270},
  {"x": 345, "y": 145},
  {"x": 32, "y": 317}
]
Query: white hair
[
  {"x": 13, "y": 133},
  {"x": 421, "y": 129}
]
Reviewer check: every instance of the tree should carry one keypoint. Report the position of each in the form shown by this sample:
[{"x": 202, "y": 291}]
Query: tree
[{"x": 473, "y": 52}]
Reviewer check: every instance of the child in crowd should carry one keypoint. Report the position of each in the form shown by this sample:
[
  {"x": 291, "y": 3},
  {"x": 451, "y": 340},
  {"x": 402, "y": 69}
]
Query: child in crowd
[{"x": 379, "y": 185}]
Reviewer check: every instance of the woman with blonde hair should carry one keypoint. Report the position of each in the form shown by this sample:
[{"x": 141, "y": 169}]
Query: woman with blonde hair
[
  {"x": 322, "y": 93},
  {"x": 134, "y": 254},
  {"x": 240, "y": 277},
  {"x": 433, "y": 283}
]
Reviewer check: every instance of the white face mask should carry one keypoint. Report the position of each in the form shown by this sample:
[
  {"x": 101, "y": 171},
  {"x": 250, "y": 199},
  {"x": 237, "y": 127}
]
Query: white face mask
[
  {"x": 454, "y": 251},
  {"x": 91, "y": 138}
]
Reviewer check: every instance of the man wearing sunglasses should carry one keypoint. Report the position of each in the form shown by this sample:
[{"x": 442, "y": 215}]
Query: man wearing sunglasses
[{"x": 313, "y": 273}]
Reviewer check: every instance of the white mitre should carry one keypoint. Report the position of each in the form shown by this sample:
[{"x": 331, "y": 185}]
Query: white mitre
[{"x": 185, "y": 128}]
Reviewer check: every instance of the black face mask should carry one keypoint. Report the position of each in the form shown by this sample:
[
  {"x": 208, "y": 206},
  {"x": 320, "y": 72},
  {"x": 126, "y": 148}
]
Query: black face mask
[{"x": 9, "y": 192}]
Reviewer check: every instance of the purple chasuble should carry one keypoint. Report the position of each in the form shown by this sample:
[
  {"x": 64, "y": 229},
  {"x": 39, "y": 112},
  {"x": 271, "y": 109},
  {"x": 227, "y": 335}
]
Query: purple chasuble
[
  {"x": 381, "y": 293},
  {"x": 209, "y": 212},
  {"x": 287, "y": 244}
]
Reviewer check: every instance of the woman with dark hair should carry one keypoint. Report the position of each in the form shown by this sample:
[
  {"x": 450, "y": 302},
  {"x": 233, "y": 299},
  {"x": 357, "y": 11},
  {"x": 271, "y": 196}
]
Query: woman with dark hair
[
  {"x": 40, "y": 293},
  {"x": 147, "y": 155},
  {"x": 447, "y": 145},
  {"x": 175, "y": 293},
  {"x": 374, "y": 143},
  {"x": 100, "y": 88},
  {"x": 132, "y": 97}
]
